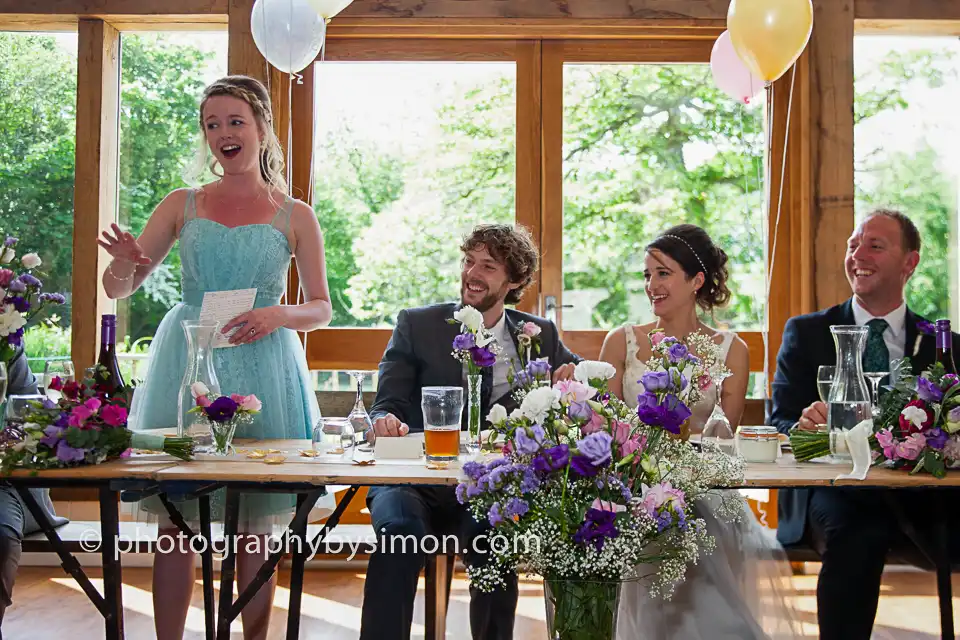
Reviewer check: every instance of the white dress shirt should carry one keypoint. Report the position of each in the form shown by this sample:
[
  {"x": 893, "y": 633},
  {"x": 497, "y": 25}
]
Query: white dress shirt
[
  {"x": 505, "y": 359},
  {"x": 895, "y": 335}
]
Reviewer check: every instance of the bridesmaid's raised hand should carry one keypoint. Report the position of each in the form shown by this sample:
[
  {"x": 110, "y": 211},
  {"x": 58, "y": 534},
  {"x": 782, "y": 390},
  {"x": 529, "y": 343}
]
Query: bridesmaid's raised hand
[{"x": 123, "y": 246}]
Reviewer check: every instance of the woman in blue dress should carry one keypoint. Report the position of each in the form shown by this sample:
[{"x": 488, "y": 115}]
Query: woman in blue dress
[{"x": 238, "y": 232}]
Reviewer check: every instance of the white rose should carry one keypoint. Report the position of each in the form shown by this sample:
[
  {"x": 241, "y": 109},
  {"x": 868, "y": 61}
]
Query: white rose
[
  {"x": 31, "y": 261},
  {"x": 538, "y": 403},
  {"x": 10, "y": 320},
  {"x": 498, "y": 413},
  {"x": 470, "y": 318},
  {"x": 7, "y": 255},
  {"x": 593, "y": 370},
  {"x": 198, "y": 389},
  {"x": 915, "y": 416}
]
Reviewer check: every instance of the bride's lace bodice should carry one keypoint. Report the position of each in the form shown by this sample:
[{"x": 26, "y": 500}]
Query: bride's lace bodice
[{"x": 634, "y": 370}]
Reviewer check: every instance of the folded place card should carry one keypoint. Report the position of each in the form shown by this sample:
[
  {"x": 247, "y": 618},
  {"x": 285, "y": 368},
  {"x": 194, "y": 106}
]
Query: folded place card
[{"x": 405, "y": 448}]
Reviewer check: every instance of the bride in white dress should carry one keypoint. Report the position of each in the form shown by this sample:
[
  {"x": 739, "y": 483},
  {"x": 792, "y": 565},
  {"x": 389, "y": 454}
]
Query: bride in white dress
[{"x": 738, "y": 590}]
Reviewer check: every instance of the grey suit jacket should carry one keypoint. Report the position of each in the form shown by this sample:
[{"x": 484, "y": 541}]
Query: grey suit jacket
[
  {"x": 21, "y": 382},
  {"x": 419, "y": 355}
]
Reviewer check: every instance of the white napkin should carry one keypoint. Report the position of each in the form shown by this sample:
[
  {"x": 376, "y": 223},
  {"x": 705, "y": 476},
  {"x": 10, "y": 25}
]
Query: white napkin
[{"x": 859, "y": 447}]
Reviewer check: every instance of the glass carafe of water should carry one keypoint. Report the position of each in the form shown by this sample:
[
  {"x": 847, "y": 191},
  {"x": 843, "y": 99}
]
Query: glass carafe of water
[
  {"x": 849, "y": 402},
  {"x": 199, "y": 337}
]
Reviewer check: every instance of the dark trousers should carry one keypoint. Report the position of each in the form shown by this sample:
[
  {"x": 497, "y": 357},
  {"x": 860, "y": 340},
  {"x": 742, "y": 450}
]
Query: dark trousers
[
  {"x": 401, "y": 515},
  {"x": 853, "y": 530},
  {"x": 11, "y": 534}
]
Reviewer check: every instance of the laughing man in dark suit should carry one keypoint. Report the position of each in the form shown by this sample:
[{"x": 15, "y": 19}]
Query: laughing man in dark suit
[
  {"x": 852, "y": 529},
  {"x": 499, "y": 262}
]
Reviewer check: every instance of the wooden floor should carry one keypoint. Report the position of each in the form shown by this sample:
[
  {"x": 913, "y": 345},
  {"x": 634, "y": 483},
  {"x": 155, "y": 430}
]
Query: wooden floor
[{"x": 47, "y": 598}]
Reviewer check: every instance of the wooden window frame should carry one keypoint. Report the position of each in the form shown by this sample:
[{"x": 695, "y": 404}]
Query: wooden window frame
[{"x": 337, "y": 348}]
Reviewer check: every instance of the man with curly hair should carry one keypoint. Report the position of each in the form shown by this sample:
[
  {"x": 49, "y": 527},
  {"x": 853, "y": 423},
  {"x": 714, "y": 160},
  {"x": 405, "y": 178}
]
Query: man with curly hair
[{"x": 499, "y": 263}]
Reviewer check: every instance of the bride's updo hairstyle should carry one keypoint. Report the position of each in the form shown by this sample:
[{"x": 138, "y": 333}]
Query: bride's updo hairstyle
[{"x": 696, "y": 252}]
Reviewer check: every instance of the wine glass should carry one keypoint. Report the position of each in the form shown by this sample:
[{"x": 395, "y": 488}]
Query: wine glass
[
  {"x": 825, "y": 375},
  {"x": 359, "y": 417},
  {"x": 875, "y": 377},
  {"x": 717, "y": 429},
  {"x": 62, "y": 369}
]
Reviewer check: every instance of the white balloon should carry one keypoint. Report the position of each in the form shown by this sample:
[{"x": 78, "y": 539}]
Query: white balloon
[
  {"x": 289, "y": 33},
  {"x": 329, "y": 8}
]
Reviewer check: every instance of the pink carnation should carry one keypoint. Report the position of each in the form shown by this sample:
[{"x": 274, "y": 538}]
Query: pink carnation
[
  {"x": 912, "y": 446},
  {"x": 6, "y": 277}
]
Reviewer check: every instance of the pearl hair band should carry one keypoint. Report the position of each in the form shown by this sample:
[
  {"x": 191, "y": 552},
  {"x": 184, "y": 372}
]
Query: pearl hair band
[{"x": 702, "y": 266}]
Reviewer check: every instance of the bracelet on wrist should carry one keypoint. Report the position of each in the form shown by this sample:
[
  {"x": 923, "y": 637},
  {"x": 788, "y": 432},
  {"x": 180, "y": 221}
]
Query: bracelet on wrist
[{"x": 118, "y": 278}]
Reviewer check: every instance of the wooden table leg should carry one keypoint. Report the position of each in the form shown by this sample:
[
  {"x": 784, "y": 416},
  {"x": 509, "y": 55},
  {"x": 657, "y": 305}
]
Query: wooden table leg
[
  {"x": 229, "y": 564},
  {"x": 438, "y": 572},
  {"x": 944, "y": 587},
  {"x": 206, "y": 562},
  {"x": 112, "y": 577}
]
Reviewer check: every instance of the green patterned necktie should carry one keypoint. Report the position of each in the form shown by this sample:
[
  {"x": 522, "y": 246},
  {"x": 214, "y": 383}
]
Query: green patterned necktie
[{"x": 877, "y": 356}]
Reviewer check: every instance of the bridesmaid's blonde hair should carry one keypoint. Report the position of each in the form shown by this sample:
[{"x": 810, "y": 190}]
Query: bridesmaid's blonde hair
[{"x": 251, "y": 91}]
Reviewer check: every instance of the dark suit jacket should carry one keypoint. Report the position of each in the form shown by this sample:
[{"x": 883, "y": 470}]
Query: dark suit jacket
[
  {"x": 21, "y": 382},
  {"x": 807, "y": 345},
  {"x": 419, "y": 355}
]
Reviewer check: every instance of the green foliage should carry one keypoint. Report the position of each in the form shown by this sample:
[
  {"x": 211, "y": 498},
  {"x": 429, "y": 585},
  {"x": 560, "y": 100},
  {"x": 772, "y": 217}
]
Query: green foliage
[
  {"x": 37, "y": 133},
  {"x": 915, "y": 182}
]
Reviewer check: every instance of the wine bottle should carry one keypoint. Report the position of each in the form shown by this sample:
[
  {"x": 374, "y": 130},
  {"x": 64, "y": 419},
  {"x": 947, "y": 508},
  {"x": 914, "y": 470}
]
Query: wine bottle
[
  {"x": 945, "y": 346},
  {"x": 107, "y": 375}
]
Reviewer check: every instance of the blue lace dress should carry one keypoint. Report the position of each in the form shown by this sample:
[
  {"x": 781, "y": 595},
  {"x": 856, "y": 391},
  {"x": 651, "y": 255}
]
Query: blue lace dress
[{"x": 215, "y": 257}]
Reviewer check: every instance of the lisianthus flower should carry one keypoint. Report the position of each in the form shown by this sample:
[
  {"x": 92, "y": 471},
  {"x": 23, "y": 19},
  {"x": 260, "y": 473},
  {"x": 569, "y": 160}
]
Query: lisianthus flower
[
  {"x": 936, "y": 438},
  {"x": 66, "y": 453},
  {"x": 928, "y": 391},
  {"x": 464, "y": 341},
  {"x": 251, "y": 403},
  {"x": 596, "y": 448},
  {"x": 677, "y": 352},
  {"x": 482, "y": 357},
  {"x": 654, "y": 381},
  {"x": 222, "y": 409},
  {"x": 528, "y": 440},
  {"x": 597, "y": 527},
  {"x": 552, "y": 459}
]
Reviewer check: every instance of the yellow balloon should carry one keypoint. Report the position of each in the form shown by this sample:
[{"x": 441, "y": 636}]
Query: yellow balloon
[{"x": 769, "y": 35}]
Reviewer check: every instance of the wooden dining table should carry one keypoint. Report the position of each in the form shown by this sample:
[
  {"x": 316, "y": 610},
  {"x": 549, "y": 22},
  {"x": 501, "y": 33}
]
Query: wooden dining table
[{"x": 307, "y": 477}]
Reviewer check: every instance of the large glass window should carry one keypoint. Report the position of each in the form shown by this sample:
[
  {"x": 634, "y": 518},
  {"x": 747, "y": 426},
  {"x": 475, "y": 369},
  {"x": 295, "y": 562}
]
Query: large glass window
[
  {"x": 907, "y": 152},
  {"x": 647, "y": 146},
  {"x": 409, "y": 156},
  {"x": 38, "y": 95},
  {"x": 162, "y": 78}
]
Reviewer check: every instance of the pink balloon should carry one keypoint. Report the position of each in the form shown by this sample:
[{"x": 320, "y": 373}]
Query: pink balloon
[{"x": 730, "y": 74}]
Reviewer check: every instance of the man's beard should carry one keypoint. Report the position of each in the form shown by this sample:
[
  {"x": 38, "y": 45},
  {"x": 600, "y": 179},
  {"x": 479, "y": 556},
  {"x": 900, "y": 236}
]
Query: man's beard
[{"x": 485, "y": 304}]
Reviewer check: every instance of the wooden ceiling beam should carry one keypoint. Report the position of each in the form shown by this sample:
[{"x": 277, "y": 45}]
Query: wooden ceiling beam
[{"x": 97, "y": 8}]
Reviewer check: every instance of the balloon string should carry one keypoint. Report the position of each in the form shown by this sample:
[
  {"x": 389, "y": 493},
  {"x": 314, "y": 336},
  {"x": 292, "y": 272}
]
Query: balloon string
[{"x": 776, "y": 224}]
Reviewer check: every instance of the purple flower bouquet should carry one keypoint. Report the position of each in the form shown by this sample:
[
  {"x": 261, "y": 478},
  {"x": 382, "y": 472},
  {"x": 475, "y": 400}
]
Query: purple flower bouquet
[
  {"x": 77, "y": 424},
  {"x": 21, "y": 296},
  {"x": 223, "y": 414},
  {"x": 586, "y": 494}
]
